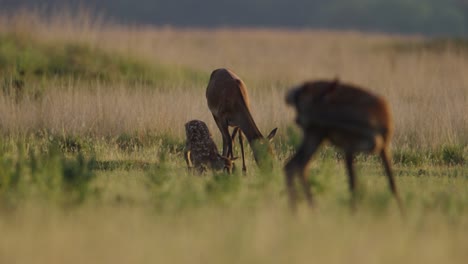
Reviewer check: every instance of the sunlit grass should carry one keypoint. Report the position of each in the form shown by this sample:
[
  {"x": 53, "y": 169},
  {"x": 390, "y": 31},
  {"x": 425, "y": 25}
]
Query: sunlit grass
[{"x": 426, "y": 89}]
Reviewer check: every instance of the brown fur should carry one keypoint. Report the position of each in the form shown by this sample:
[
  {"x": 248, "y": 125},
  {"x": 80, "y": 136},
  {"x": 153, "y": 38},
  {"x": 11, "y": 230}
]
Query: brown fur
[
  {"x": 227, "y": 99},
  {"x": 201, "y": 152},
  {"x": 350, "y": 117}
]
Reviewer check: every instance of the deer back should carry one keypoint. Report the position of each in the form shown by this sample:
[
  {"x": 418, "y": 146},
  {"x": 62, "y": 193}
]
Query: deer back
[{"x": 332, "y": 105}]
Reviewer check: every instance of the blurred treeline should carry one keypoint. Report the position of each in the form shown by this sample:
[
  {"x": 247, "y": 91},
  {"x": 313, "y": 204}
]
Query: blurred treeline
[{"x": 430, "y": 17}]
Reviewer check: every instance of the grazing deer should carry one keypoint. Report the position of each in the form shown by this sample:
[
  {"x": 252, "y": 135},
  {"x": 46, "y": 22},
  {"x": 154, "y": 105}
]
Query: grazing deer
[
  {"x": 228, "y": 102},
  {"x": 349, "y": 117},
  {"x": 201, "y": 152}
]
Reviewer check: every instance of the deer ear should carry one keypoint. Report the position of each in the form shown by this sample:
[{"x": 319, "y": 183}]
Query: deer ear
[
  {"x": 334, "y": 84},
  {"x": 328, "y": 91},
  {"x": 272, "y": 134},
  {"x": 234, "y": 158}
]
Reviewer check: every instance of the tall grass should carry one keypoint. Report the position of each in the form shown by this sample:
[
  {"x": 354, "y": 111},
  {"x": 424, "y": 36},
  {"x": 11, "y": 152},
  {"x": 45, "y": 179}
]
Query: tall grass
[{"x": 427, "y": 90}]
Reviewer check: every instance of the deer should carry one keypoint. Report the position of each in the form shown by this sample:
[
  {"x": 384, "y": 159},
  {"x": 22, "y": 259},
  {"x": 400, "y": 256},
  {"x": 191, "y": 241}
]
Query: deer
[
  {"x": 201, "y": 152},
  {"x": 229, "y": 104},
  {"x": 351, "y": 118}
]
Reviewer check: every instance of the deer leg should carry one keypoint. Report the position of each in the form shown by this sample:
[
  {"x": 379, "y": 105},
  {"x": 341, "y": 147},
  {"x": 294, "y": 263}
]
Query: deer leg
[
  {"x": 227, "y": 142},
  {"x": 297, "y": 165},
  {"x": 234, "y": 133},
  {"x": 351, "y": 178},
  {"x": 241, "y": 142},
  {"x": 233, "y": 139},
  {"x": 391, "y": 181}
]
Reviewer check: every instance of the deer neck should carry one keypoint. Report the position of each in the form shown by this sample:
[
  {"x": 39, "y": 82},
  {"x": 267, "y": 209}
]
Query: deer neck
[
  {"x": 261, "y": 151},
  {"x": 250, "y": 130}
]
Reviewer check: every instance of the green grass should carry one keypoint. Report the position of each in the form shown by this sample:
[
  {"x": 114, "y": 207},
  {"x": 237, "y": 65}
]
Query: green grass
[
  {"x": 101, "y": 194},
  {"x": 65, "y": 161},
  {"x": 43, "y": 174},
  {"x": 444, "y": 155},
  {"x": 25, "y": 60}
]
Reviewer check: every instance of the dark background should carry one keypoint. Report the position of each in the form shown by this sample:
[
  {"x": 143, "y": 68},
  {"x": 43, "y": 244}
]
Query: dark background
[{"x": 429, "y": 17}]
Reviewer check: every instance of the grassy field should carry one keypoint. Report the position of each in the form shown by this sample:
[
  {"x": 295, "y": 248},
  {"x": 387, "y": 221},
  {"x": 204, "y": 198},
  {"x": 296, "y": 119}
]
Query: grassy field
[{"x": 92, "y": 121}]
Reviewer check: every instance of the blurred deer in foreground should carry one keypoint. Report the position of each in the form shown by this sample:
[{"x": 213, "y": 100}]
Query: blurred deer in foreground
[
  {"x": 349, "y": 117},
  {"x": 201, "y": 152},
  {"x": 228, "y": 102}
]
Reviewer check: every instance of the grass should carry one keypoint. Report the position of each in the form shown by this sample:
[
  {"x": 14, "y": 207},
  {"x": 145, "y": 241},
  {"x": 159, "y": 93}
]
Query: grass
[
  {"x": 151, "y": 212},
  {"x": 45, "y": 175},
  {"x": 25, "y": 60},
  {"x": 426, "y": 89},
  {"x": 145, "y": 203},
  {"x": 91, "y": 163},
  {"x": 436, "y": 45},
  {"x": 445, "y": 155}
]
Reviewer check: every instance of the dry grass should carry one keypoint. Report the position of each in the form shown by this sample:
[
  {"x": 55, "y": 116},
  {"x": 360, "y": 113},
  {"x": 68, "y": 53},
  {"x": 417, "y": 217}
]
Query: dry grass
[{"x": 427, "y": 91}]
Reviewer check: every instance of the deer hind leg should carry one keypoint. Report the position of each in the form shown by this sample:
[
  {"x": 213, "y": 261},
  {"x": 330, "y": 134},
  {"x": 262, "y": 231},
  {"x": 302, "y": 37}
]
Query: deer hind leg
[
  {"x": 391, "y": 181},
  {"x": 297, "y": 167},
  {"x": 349, "y": 158},
  {"x": 233, "y": 139},
  {"x": 241, "y": 142},
  {"x": 227, "y": 141}
]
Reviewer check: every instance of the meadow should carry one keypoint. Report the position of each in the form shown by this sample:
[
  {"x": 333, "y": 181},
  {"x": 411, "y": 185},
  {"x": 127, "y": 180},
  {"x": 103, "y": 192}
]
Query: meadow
[{"x": 92, "y": 118}]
